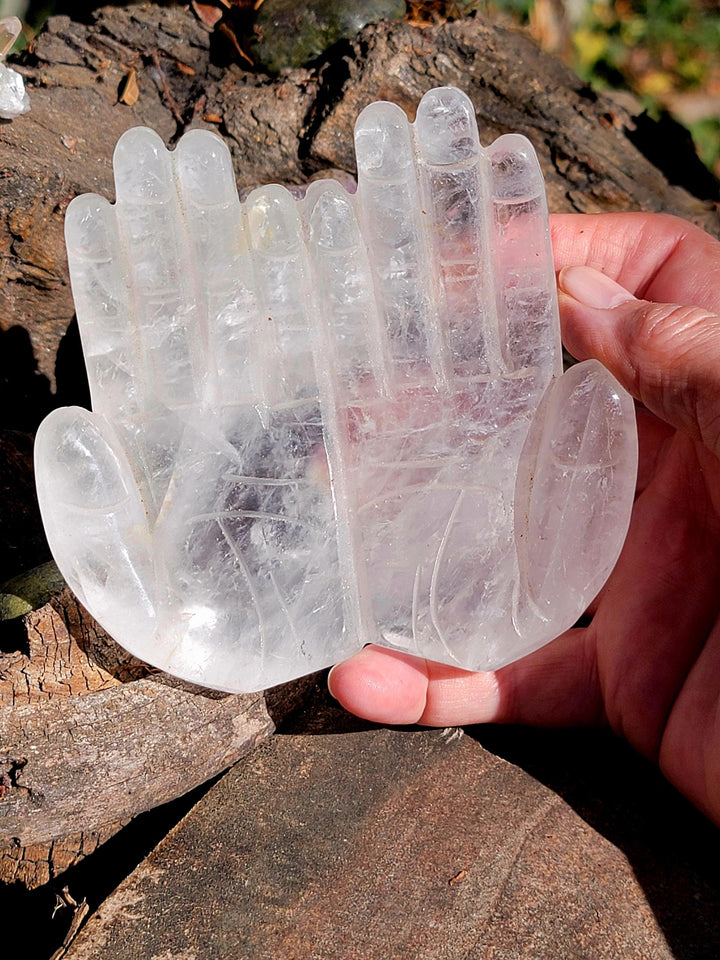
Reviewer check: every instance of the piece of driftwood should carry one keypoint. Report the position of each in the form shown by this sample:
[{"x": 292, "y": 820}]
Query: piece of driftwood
[{"x": 88, "y": 738}]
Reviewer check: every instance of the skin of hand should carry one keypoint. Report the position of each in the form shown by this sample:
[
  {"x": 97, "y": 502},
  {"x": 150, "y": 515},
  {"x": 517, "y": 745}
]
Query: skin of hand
[{"x": 648, "y": 663}]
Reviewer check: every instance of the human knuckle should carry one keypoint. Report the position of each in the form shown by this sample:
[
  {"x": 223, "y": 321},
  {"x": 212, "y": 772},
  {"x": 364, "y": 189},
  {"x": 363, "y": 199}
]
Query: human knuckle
[{"x": 670, "y": 332}]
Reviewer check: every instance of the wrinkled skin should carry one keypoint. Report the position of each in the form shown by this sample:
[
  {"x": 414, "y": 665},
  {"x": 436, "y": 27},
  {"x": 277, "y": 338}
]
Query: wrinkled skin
[{"x": 648, "y": 663}]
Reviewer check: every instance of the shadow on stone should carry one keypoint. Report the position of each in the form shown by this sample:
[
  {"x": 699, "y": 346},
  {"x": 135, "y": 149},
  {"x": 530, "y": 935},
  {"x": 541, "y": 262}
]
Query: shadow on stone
[
  {"x": 316, "y": 713},
  {"x": 25, "y": 399},
  {"x": 21, "y": 533},
  {"x": 70, "y": 372},
  {"x": 38, "y": 928},
  {"x": 669, "y": 146},
  {"x": 673, "y": 850},
  {"x": 380, "y": 843}
]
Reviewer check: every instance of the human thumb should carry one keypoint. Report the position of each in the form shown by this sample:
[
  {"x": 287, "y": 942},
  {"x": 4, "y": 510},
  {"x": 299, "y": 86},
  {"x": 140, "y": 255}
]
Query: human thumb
[{"x": 666, "y": 355}]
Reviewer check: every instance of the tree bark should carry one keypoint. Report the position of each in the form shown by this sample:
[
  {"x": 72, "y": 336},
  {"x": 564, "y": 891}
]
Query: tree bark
[{"x": 592, "y": 149}]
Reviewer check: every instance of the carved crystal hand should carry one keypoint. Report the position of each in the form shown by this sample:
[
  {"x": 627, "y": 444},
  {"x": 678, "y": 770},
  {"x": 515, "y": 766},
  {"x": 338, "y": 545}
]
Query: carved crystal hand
[{"x": 326, "y": 422}]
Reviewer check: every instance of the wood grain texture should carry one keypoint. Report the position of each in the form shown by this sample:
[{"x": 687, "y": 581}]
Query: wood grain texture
[{"x": 91, "y": 737}]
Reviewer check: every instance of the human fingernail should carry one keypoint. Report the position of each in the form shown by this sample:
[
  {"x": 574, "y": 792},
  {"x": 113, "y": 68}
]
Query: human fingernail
[
  {"x": 592, "y": 288},
  {"x": 329, "y": 682}
]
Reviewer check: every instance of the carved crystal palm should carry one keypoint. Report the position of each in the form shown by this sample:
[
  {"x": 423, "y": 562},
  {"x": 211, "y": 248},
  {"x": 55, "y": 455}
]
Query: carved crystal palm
[{"x": 326, "y": 422}]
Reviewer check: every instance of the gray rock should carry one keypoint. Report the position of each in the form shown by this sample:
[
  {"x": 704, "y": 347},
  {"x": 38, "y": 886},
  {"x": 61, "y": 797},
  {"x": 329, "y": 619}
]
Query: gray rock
[{"x": 340, "y": 840}]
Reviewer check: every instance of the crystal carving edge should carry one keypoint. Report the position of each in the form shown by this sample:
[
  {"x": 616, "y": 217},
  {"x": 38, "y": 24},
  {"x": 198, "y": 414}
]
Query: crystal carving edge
[
  {"x": 14, "y": 100},
  {"x": 325, "y": 422}
]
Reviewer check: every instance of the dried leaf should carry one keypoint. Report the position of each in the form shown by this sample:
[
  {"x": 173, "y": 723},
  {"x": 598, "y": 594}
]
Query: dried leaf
[
  {"x": 129, "y": 90},
  {"x": 208, "y": 13},
  {"x": 423, "y": 12},
  {"x": 69, "y": 143}
]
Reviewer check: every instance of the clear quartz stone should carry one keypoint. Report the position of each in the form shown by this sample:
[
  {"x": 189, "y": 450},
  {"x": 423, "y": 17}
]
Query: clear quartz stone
[
  {"x": 10, "y": 30},
  {"x": 334, "y": 420},
  {"x": 14, "y": 100}
]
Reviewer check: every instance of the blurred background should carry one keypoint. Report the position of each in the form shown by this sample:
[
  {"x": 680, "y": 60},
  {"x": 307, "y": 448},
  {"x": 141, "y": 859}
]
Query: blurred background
[{"x": 663, "y": 53}]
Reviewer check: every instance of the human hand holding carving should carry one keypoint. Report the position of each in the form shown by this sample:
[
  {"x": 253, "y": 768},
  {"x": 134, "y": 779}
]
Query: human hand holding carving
[
  {"x": 324, "y": 423},
  {"x": 648, "y": 663}
]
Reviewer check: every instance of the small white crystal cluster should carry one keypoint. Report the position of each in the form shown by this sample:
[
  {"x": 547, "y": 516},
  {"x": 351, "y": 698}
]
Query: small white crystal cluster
[
  {"x": 13, "y": 96},
  {"x": 325, "y": 422}
]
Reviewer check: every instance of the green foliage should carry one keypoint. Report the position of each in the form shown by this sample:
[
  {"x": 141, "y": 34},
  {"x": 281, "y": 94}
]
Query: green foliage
[
  {"x": 29, "y": 591},
  {"x": 520, "y": 8},
  {"x": 658, "y": 49},
  {"x": 674, "y": 43},
  {"x": 706, "y": 134}
]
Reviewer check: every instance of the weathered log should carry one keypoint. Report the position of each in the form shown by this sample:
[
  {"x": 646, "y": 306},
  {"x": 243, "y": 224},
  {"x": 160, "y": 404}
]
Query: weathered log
[
  {"x": 87, "y": 738},
  {"x": 90, "y": 737},
  {"x": 591, "y": 148},
  {"x": 594, "y": 150}
]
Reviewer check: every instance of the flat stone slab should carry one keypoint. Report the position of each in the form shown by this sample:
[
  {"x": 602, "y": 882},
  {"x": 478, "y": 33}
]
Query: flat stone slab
[{"x": 347, "y": 841}]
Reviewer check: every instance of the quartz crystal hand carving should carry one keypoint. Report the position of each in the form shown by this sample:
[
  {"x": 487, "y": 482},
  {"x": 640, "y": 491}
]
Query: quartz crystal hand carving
[
  {"x": 325, "y": 422},
  {"x": 13, "y": 96}
]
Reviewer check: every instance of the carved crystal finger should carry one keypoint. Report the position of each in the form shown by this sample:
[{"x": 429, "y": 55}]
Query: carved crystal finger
[
  {"x": 163, "y": 283},
  {"x": 342, "y": 273},
  {"x": 222, "y": 263},
  {"x": 115, "y": 364},
  {"x": 284, "y": 291},
  {"x": 457, "y": 201},
  {"x": 390, "y": 205},
  {"x": 573, "y": 498},
  {"x": 523, "y": 262}
]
